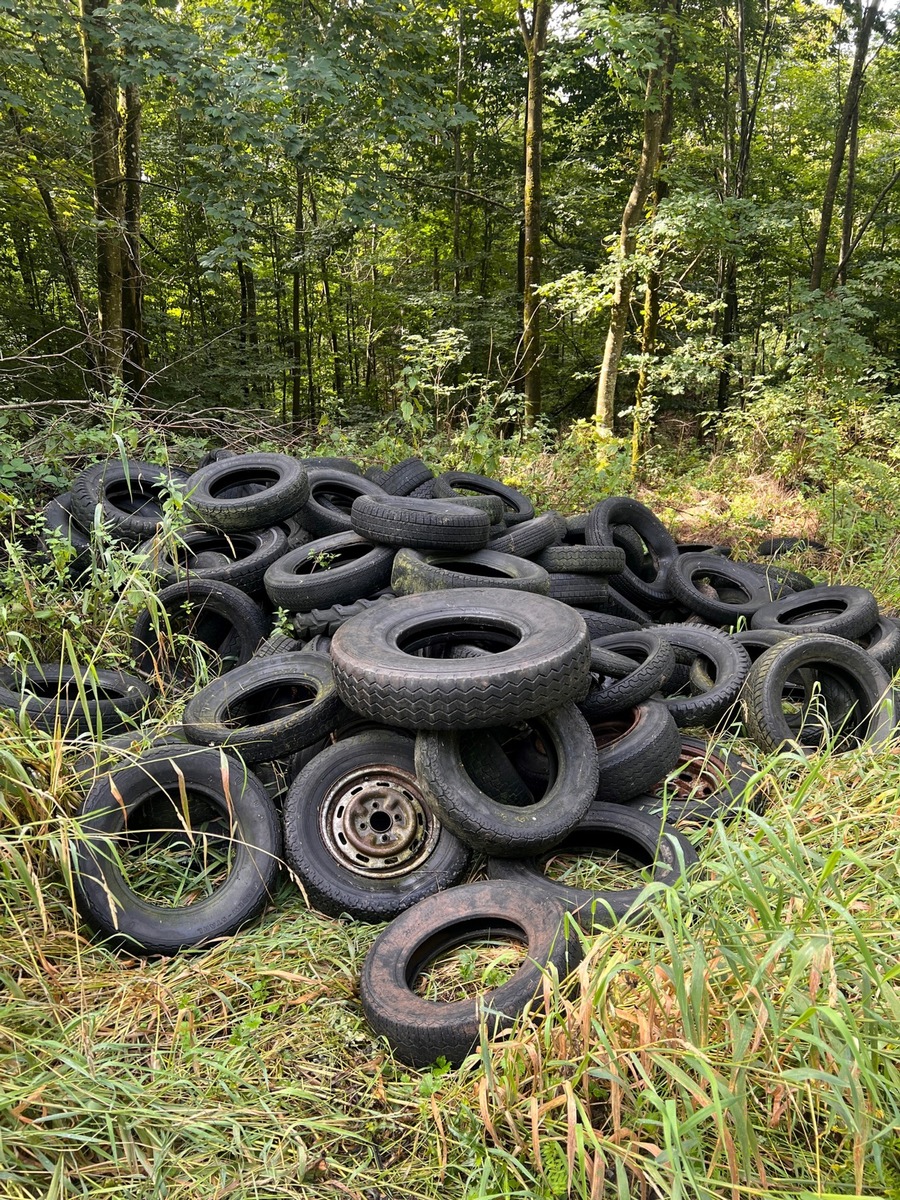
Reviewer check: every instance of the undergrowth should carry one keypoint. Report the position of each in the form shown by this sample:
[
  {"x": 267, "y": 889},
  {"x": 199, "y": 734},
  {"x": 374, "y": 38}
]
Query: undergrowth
[{"x": 743, "y": 1042}]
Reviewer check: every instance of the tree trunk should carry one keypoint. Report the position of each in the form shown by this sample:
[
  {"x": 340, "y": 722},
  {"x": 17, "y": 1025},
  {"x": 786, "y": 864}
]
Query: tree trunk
[
  {"x": 296, "y": 341},
  {"x": 458, "y": 161},
  {"x": 841, "y": 137},
  {"x": 101, "y": 92},
  {"x": 329, "y": 307},
  {"x": 849, "y": 197},
  {"x": 134, "y": 365},
  {"x": 535, "y": 38},
  {"x": 655, "y": 104}
]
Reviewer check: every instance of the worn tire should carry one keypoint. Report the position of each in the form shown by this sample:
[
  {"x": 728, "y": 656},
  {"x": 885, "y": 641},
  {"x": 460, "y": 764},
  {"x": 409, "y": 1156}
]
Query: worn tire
[
  {"x": 650, "y": 661},
  {"x": 841, "y": 611},
  {"x": 419, "y": 1030},
  {"x": 337, "y": 569},
  {"x": 284, "y": 484},
  {"x": 622, "y": 510},
  {"x": 224, "y": 619},
  {"x": 708, "y": 783},
  {"x": 239, "y": 559},
  {"x": 359, "y": 834},
  {"x": 47, "y": 693},
  {"x": 130, "y": 496},
  {"x": 747, "y": 591},
  {"x": 730, "y": 662},
  {"x": 493, "y": 827},
  {"x": 274, "y": 725},
  {"x": 331, "y": 497},
  {"x": 517, "y": 507},
  {"x": 429, "y": 571},
  {"x": 607, "y": 829},
  {"x": 866, "y": 720},
  {"x": 164, "y": 777},
  {"x": 420, "y": 524},
  {"x": 379, "y": 675},
  {"x": 530, "y": 537}
]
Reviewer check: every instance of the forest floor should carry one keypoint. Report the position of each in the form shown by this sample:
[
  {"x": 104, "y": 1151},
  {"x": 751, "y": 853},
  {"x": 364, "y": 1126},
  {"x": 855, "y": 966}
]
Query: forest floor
[{"x": 743, "y": 1042}]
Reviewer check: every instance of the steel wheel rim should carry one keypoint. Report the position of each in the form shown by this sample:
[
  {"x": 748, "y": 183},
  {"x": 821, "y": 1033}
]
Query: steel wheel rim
[{"x": 374, "y": 823}]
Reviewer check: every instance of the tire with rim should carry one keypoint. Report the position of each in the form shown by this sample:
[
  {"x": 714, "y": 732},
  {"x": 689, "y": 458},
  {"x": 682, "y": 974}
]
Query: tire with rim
[
  {"x": 842, "y": 611},
  {"x": 188, "y": 785},
  {"x": 420, "y": 1030},
  {"x": 494, "y": 827},
  {"x": 337, "y": 569},
  {"x": 283, "y": 483},
  {"x": 858, "y": 712},
  {"x": 420, "y": 524},
  {"x": 360, "y": 835},
  {"x": 84, "y": 701},
  {"x": 709, "y": 782},
  {"x": 635, "y": 750},
  {"x": 607, "y": 830},
  {"x": 517, "y": 507},
  {"x": 663, "y": 550},
  {"x": 268, "y": 708},
  {"x": 539, "y": 660},
  {"x": 220, "y": 617},
  {"x": 428, "y": 571}
]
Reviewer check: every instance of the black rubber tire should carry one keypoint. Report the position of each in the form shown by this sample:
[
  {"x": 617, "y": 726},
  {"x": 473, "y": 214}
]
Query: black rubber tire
[
  {"x": 278, "y": 643},
  {"x": 212, "y": 456},
  {"x": 419, "y": 1030},
  {"x": 295, "y": 535},
  {"x": 754, "y": 641},
  {"x": 718, "y": 548},
  {"x": 341, "y": 857},
  {"x": 59, "y": 523},
  {"x": 420, "y": 524},
  {"x": 130, "y": 496},
  {"x": 530, "y": 537},
  {"x": 284, "y": 490},
  {"x": 709, "y": 783},
  {"x": 330, "y": 462},
  {"x": 239, "y": 559},
  {"x": 779, "y": 580},
  {"x": 162, "y": 776},
  {"x": 331, "y": 497},
  {"x": 423, "y": 571},
  {"x": 543, "y": 665},
  {"x": 218, "y": 615},
  {"x": 883, "y": 644},
  {"x": 649, "y": 661},
  {"x": 731, "y": 665},
  {"x": 635, "y": 750},
  {"x": 278, "y": 726},
  {"x": 517, "y": 507},
  {"x": 47, "y": 692},
  {"x": 493, "y": 827},
  {"x": 622, "y": 510},
  {"x": 601, "y": 624},
  {"x": 750, "y": 590},
  {"x": 328, "y": 621},
  {"x": 337, "y": 569},
  {"x": 487, "y": 764},
  {"x": 772, "y": 547},
  {"x": 425, "y": 491},
  {"x": 868, "y": 719},
  {"x": 582, "y": 560},
  {"x": 375, "y": 474},
  {"x": 842, "y": 611},
  {"x": 404, "y": 477},
  {"x": 118, "y": 751},
  {"x": 576, "y": 524},
  {"x": 492, "y": 505},
  {"x": 607, "y": 829},
  {"x": 617, "y": 605},
  {"x": 588, "y": 591},
  {"x": 637, "y": 557}
]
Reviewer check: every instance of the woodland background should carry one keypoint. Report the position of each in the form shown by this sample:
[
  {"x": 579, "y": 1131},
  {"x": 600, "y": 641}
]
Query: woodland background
[{"x": 433, "y": 214}]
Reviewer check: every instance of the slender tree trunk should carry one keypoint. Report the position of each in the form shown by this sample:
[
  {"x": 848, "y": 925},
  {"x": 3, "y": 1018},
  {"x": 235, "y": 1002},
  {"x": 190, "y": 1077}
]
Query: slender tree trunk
[
  {"x": 841, "y": 137},
  {"x": 296, "y": 340},
  {"x": 329, "y": 307},
  {"x": 102, "y": 92},
  {"x": 849, "y": 196},
  {"x": 134, "y": 365},
  {"x": 655, "y": 102},
  {"x": 534, "y": 35},
  {"x": 458, "y": 160}
]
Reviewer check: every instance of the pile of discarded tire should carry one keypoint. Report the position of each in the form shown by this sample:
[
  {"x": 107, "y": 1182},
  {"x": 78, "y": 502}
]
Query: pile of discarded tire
[{"x": 466, "y": 685}]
